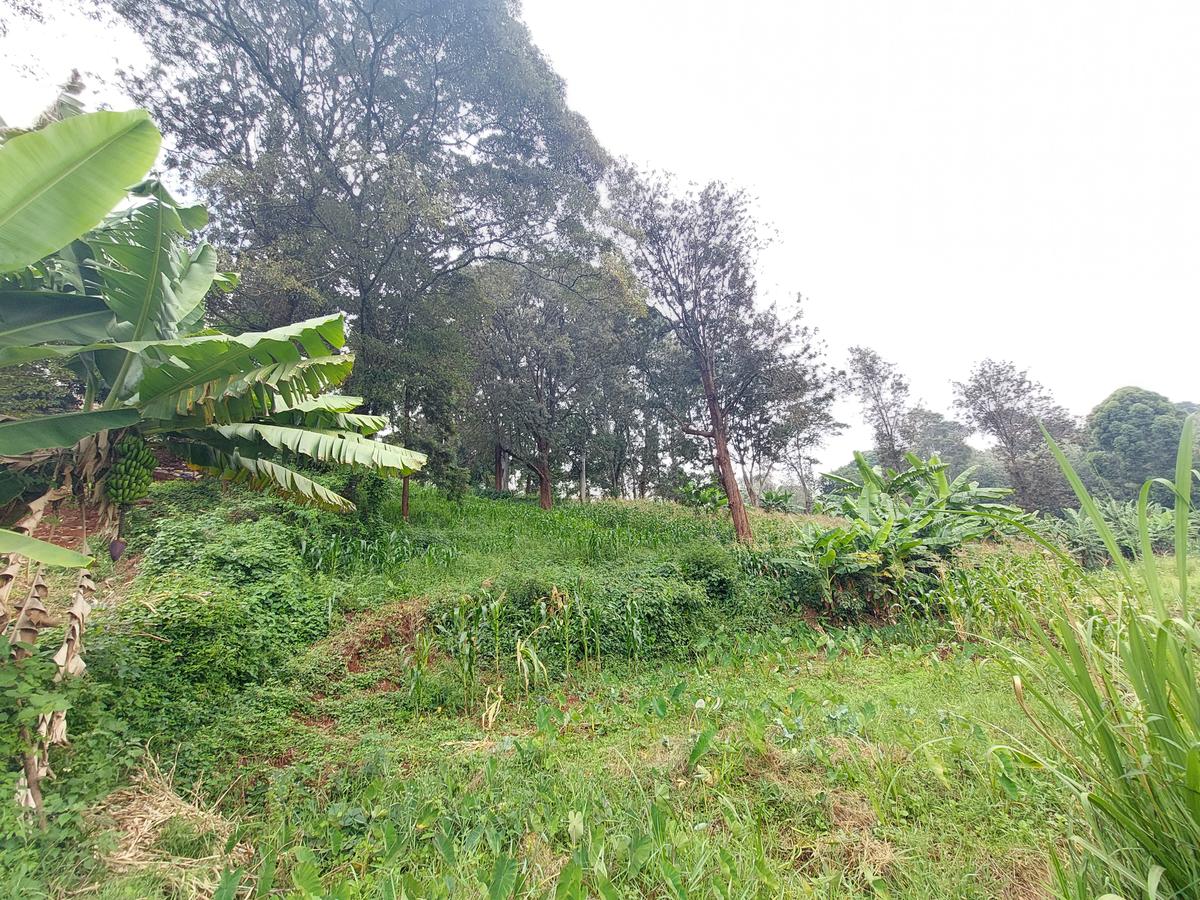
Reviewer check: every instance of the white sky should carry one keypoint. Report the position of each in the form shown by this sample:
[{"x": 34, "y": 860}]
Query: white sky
[{"x": 947, "y": 180}]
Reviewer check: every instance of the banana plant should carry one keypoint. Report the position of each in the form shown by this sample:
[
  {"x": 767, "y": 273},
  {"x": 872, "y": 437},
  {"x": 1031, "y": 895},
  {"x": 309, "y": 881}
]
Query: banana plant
[{"x": 101, "y": 271}]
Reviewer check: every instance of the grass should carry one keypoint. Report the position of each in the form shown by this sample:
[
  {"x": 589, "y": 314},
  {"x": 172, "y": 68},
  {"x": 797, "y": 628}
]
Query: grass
[
  {"x": 782, "y": 760},
  {"x": 857, "y": 768}
]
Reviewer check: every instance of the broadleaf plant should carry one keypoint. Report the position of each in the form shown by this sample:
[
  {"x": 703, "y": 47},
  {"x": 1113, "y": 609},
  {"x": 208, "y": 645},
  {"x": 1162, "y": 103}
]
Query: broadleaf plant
[{"x": 109, "y": 280}]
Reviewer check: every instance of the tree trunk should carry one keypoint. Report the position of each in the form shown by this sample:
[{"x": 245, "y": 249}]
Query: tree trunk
[
  {"x": 751, "y": 491},
  {"x": 583, "y": 482},
  {"x": 404, "y": 498},
  {"x": 500, "y": 468},
  {"x": 545, "y": 490},
  {"x": 724, "y": 465}
]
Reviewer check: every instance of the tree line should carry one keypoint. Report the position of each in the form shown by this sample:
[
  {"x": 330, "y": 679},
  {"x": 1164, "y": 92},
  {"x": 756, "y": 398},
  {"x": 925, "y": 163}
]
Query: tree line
[
  {"x": 525, "y": 310},
  {"x": 1129, "y": 437}
]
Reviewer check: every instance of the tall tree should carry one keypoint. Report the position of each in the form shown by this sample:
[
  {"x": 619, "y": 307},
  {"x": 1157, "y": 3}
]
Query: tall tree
[
  {"x": 784, "y": 407},
  {"x": 1004, "y": 403},
  {"x": 695, "y": 252},
  {"x": 1133, "y": 436},
  {"x": 883, "y": 392},
  {"x": 543, "y": 352},
  {"x": 364, "y": 152},
  {"x": 926, "y": 432}
]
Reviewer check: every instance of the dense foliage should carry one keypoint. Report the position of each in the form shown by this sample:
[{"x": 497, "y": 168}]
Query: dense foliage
[
  {"x": 896, "y": 535},
  {"x": 262, "y": 642},
  {"x": 461, "y": 691},
  {"x": 1132, "y": 437}
]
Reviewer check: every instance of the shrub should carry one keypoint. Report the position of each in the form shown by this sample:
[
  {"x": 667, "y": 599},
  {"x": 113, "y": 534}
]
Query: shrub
[
  {"x": 776, "y": 501},
  {"x": 707, "y": 496},
  {"x": 646, "y": 613},
  {"x": 713, "y": 567},
  {"x": 191, "y": 629},
  {"x": 1077, "y": 533},
  {"x": 901, "y": 530}
]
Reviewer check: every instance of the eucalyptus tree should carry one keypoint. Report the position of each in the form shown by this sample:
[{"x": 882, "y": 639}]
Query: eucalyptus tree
[
  {"x": 1004, "y": 403},
  {"x": 111, "y": 284},
  {"x": 882, "y": 391},
  {"x": 363, "y": 153},
  {"x": 695, "y": 251},
  {"x": 785, "y": 392}
]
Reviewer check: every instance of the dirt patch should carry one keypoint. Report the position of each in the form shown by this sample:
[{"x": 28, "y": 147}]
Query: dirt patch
[
  {"x": 284, "y": 759},
  {"x": 321, "y": 722},
  {"x": 67, "y": 524},
  {"x": 366, "y": 634}
]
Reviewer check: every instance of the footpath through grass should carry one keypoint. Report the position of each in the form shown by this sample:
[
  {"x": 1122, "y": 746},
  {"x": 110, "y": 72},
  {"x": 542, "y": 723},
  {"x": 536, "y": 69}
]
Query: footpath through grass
[{"x": 293, "y": 687}]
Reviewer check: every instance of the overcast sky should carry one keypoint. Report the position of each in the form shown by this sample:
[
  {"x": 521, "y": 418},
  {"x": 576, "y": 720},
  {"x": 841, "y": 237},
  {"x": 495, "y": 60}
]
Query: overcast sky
[{"x": 946, "y": 181}]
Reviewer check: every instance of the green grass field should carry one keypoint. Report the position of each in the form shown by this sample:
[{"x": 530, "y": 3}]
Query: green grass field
[{"x": 787, "y": 759}]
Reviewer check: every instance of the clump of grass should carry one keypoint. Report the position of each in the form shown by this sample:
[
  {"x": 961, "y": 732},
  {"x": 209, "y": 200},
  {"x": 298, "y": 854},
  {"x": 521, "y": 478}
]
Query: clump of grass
[{"x": 1125, "y": 738}]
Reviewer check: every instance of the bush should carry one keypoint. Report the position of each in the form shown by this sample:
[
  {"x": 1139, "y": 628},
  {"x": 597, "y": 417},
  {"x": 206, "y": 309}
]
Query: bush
[
  {"x": 707, "y": 496},
  {"x": 901, "y": 529},
  {"x": 1078, "y": 534},
  {"x": 713, "y": 567},
  {"x": 776, "y": 501}
]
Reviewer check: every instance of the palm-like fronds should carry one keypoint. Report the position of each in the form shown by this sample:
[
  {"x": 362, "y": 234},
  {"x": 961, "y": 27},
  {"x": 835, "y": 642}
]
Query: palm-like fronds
[
  {"x": 259, "y": 473},
  {"x": 122, "y": 304},
  {"x": 35, "y": 317},
  {"x": 346, "y": 448},
  {"x": 236, "y": 395},
  {"x": 329, "y": 412}
]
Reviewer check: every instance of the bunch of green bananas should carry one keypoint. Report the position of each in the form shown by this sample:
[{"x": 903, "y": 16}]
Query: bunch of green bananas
[{"x": 129, "y": 479}]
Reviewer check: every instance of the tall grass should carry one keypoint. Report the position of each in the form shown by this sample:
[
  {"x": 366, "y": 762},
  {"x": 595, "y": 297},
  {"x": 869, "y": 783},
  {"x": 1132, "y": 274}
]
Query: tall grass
[{"x": 1120, "y": 707}]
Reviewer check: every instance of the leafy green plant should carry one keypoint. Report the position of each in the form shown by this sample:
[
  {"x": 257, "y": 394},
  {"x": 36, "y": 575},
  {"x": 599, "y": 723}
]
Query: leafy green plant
[
  {"x": 494, "y": 610},
  {"x": 118, "y": 296},
  {"x": 707, "y": 496},
  {"x": 460, "y": 636},
  {"x": 529, "y": 662},
  {"x": 418, "y": 667},
  {"x": 1125, "y": 738},
  {"x": 713, "y": 567},
  {"x": 776, "y": 501},
  {"x": 1078, "y": 534},
  {"x": 901, "y": 530}
]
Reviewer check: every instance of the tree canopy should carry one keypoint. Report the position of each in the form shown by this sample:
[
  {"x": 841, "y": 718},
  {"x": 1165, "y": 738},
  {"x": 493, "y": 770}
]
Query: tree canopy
[{"x": 1132, "y": 436}]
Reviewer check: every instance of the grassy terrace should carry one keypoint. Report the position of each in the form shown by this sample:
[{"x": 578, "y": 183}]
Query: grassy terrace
[{"x": 310, "y": 728}]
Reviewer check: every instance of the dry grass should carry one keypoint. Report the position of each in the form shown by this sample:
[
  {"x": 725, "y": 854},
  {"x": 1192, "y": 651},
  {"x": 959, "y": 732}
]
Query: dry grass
[
  {"x": 137, "y": 816},
  {"x": 543, "y": 864},
  {"x": 1024, "y": 874}
]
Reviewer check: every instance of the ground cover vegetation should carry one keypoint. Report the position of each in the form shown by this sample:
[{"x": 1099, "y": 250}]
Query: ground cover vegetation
[{"x": 408, "y": 668}]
